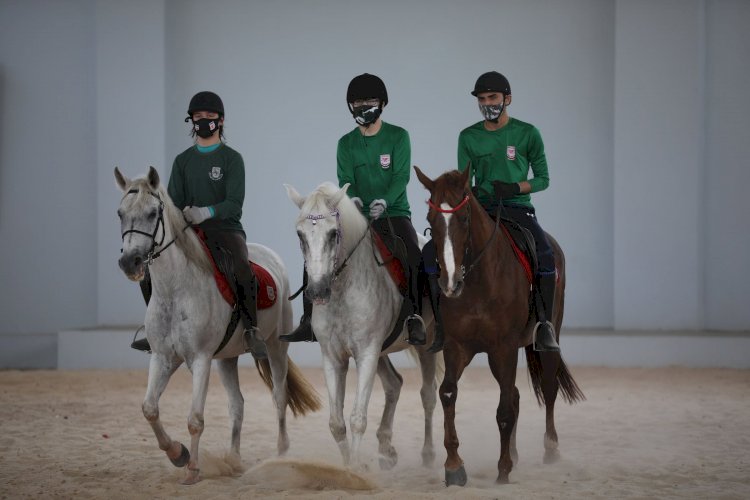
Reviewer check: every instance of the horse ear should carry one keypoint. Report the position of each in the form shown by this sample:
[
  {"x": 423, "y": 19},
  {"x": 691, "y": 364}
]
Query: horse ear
[
  {"x": 466, "y": 177},
  {"x": 426, "y": 181},
  {"x": 339, "y": 195},
  {"x": 122, "y": 181},
  {"x": 153, "y": 178},
  {"x": 293, "y": 195}
]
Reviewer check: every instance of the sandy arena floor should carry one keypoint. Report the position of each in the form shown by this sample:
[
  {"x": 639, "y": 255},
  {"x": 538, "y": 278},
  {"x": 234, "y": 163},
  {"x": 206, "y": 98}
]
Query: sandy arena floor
[{"x": 642, "y": 433}]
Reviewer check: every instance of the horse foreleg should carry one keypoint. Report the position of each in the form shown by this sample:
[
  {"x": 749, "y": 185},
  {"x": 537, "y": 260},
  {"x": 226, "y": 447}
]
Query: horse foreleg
[
  {"x": 335, "y": 375},
  {"x": 516, "y": 409},
  {"x": 201, "y": 368},
  {"x": 159, "y": 372},
  {"x": 428, "y": 392},
  {"x": 230, "y": 380},
  {"x": 455, "y": 363},
  {"x": 503, "y": 365},
  {"x": 366, "y": 367},
  {"x": 278, "y": 361},
  {"x": 392, "y": 383}
]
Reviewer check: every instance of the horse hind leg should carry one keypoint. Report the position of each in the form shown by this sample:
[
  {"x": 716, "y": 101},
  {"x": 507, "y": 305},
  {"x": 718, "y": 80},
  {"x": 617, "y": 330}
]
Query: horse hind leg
[
  {"x": 516, "y": 409},
  {"x": 230, "y": 380},
  {"x": 550, "y": 366},
  {"x": 159, "y": 372},
  {"x": 278, "y": 364},
  {"x": 392, "y": 383}
]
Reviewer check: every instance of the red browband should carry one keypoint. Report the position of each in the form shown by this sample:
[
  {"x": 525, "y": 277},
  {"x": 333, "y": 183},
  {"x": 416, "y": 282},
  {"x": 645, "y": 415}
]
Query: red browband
[{"x": 450, "y": 210}]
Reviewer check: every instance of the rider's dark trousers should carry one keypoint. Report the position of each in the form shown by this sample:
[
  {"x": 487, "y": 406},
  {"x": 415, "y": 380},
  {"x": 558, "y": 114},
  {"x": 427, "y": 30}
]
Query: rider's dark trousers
[
  {"x": 402, "y": 228},
  {"x": 526, "y": 217},
  {"x": 234, "y": 243}
]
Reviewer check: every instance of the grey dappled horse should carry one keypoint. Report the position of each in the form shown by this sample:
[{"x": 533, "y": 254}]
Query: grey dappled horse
[
  {"x": 356, "y": 306},
  {"x": 187, "y": 317}
]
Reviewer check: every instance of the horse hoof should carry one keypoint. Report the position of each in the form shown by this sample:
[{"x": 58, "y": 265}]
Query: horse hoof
[
  {"x": 192, "y": 477},
  {"x": 551, "y": 456},
  {"x": 183, "y": 459},
  {"x": 456, "y": 477}
]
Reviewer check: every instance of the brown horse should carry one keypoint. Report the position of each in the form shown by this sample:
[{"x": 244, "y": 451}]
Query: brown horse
[{"x": 487, "y": 309}]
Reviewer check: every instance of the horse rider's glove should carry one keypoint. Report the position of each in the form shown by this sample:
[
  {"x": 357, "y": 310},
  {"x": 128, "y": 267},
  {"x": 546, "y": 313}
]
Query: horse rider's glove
[
  {"x": 196, "y": 215},
  {"x": 358, "y": 201},
  {"x": 377, "y": 207},
  {"x": 505, "y": 190}
]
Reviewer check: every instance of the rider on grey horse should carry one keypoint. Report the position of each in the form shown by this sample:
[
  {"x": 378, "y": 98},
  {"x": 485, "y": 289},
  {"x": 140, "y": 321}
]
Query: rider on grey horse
[
  {"x": 374, "y": 159},
  {"x": 208, "y": 183}
]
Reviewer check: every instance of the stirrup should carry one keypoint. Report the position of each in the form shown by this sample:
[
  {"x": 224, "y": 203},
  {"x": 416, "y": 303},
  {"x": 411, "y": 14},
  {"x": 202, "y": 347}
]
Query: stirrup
[
  {"x": 551, "y": 346},
  {"x": 140, "y": 344},
  {"x": 253, "y": 344},
  {"x": 418, "y": 340}
]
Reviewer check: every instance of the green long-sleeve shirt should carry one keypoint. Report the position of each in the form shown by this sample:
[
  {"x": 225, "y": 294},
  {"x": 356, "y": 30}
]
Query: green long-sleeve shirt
[
  {"x": 503, "y": 155},
  {"x": 215, "y": 179},
  {"x": 377, "y": 167}
]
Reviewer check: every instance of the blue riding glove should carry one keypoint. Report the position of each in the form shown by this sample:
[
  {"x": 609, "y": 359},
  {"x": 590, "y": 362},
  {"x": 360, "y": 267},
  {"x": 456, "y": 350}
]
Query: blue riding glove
[
  {"x": 377, "y": 208},
  {"x": 196, "y": 215}
]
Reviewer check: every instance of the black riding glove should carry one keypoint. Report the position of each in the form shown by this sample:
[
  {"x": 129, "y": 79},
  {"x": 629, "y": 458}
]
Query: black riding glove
[{"x": 505, "y": 190}]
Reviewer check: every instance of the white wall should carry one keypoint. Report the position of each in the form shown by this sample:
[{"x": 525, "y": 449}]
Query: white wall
[{"x": 639, "y": 102}]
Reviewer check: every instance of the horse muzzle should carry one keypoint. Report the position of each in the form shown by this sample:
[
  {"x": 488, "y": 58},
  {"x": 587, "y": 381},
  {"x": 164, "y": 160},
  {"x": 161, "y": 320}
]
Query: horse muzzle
[
  {"x": 133, "y": 266},
  {"x": 451, "y": 290},
  {"x": 319, "y": 292}
]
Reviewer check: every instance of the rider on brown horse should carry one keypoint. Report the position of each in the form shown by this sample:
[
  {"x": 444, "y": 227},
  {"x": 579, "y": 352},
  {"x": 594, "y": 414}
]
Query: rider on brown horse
[{"x": 500, "y": 150}]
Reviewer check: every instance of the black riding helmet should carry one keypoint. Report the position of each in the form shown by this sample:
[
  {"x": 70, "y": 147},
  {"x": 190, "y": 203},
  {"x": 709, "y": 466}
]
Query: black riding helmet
[
  {"x": 491, "y": 82},
  {"x": 366, "y": 86},
  {"x": 205, "y": 101}
]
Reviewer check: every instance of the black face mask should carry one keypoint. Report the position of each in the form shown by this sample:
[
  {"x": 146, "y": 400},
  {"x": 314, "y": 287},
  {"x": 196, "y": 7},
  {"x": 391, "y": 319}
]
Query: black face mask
[
  {"x": 205, "y": 127},
  {"x": 366, "y": 115}
]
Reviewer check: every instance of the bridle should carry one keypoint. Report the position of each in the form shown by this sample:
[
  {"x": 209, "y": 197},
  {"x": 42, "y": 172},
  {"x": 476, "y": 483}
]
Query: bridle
[
  {"x": 153, "y": 254},
  {"x": 465, "y": 202}
]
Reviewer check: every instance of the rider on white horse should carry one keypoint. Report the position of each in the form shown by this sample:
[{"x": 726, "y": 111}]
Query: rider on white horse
[
  {"x": 375, "y": 159},
  {"x": 208, "y": 184}
]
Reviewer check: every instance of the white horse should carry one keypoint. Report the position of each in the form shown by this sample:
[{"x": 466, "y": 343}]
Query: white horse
[
  {"x": 187, "y": 317},
  {"x": 356, "y": 306}
]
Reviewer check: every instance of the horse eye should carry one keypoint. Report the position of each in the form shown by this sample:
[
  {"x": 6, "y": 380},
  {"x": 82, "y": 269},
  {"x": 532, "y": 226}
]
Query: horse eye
[
  {"x": 332, "y": 236},
  {"x": 152, "y": 215},
  {"x": 464, "y": 220}
]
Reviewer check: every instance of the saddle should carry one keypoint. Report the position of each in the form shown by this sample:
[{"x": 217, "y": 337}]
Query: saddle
[
  {"x": 391, "y": 261},
  {"x": 266, "y": 296},
  {"x": 523, "y": 245}
]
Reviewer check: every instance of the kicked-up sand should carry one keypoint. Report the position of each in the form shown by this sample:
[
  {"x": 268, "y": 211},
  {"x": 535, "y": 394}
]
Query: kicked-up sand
[{"x": 641, "y": 433}]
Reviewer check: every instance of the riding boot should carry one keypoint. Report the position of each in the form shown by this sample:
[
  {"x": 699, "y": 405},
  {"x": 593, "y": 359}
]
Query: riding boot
[
  {"x": 414, "y": 322},
  {"x": 304, "y": 331},
  {"x": 145, "y": 284},
  {"x": 437, "y": 343},
  {"x": 253, "y": 344},
  {"x": 544, "y": 332}
]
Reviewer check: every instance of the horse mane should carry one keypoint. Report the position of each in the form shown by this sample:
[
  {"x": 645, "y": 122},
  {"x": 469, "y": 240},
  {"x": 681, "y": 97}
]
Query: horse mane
[
  {"x": 187, "y": 241},
  {"x": 319, "y": 202}
]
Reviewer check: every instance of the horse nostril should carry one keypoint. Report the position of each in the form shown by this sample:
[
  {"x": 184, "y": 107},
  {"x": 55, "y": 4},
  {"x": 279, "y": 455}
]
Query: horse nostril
[{"x": 137, "y": 261}]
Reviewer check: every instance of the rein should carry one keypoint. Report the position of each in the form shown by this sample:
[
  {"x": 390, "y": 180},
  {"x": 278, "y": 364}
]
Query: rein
[
  {"x": 464, "y": 270},
  {"x": 153, "y": 254}
]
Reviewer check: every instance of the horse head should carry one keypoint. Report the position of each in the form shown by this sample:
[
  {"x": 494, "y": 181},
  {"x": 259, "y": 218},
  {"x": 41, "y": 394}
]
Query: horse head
[
  {"x": 142, "y": 226},
  {"x": 449, "y": 216},
  {"x": 324, "y": 226}
]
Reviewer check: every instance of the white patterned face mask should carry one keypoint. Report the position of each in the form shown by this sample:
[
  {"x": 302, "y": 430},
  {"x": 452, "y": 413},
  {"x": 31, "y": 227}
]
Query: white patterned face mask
[{"x": 491, "y": 112}]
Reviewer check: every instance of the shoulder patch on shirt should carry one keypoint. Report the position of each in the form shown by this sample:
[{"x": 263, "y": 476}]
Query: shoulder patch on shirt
[
  {"x": 510, "y": 153},
  {"x": 215, "y": 174},
  {"x": 385, "y": 161}
]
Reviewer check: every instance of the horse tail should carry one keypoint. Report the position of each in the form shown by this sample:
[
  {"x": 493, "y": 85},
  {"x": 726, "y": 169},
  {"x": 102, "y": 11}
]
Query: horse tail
[
  {"x": 303, "y": 397},
  {"x": 571, "y": 393}
]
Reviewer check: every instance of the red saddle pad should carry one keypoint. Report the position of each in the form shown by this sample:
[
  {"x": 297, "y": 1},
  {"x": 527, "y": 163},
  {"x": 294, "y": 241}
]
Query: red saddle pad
[
  {"x": 266, "y": 286},
  {"x": 395, "y": 269}
]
